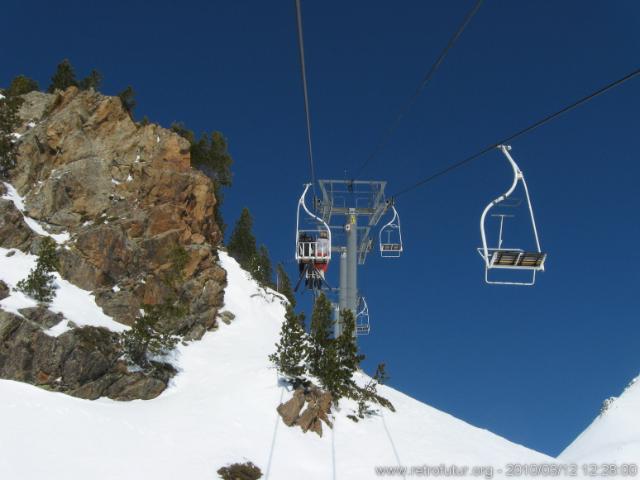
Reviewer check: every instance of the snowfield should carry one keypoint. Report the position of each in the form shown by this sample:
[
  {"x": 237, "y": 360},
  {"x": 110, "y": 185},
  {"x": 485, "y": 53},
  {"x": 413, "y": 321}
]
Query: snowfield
[
  {"x": 614, "y": 436},
  {"x": 221, "y": 408}
]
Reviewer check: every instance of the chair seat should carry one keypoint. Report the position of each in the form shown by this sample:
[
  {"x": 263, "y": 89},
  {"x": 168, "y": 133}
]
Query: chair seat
[
  {"x": 517, "y": 259},
  {"x": 363, "y": 329}
]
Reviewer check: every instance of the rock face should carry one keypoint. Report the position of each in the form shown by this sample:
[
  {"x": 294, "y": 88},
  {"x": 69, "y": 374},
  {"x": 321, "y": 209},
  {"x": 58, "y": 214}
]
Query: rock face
[
  {"x": 129, "y": 199},
  {"x": 14, "y": 232},
  {"x": 83, "y": 362},
  {"x": 318, "y": 408}
]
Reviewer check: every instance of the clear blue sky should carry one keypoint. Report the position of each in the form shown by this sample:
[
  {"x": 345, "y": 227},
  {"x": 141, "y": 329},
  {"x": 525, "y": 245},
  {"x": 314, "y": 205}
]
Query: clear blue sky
[{"x": 530, "y": 364}]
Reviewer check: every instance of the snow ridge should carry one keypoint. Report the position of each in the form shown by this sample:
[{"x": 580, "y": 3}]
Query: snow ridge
[{"x": 614, "y": 436}]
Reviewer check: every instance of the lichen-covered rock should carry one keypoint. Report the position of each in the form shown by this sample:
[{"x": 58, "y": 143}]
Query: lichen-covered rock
[{"x": 4, "y": 290}]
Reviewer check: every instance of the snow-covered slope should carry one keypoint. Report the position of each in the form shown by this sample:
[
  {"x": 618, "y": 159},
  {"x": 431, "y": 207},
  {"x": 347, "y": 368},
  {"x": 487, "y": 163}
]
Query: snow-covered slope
[
  {"x": 613, "y": 437},
  {"x": 221, "y": 408},
  {"x": 76, "y": 304}
]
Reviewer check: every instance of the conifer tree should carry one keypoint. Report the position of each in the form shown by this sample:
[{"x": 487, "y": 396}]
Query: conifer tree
[
  {"x": 291, "y": 350},
  {"x": 242, "y": 244},
  {"x": 369, "y": 393},
  {"x": 40, "y": 283},
  {"x": 93, "y": 80},
  {"x": 9, "y": 121},
  {"x": 348, "y": 357},
  {"x": 340, "y": 360},
  {"x": 127, "y": 97},
  {"x": 320, "y": 337},
  {"x": 283, "y": 284},
  {"x": 21, "y": 85},
  {"x": 63, "y": 78},
  {"x": 210, "y": 154},
  {"x": 144, "y": 339},
  {"x": 261, "y": 267}
]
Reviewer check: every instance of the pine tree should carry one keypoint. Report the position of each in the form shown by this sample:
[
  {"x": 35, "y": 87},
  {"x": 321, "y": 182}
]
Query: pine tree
[
  {"x": 40, "y": 283},
  {"x": 178, "y": 258},
  {"x": 127, "y": 97},
  {"x": 321, "y": 341},
  {"x": 9, "y": 121},
  {"x": 291, "y": 350},
  {"x": 93, "y": 80},
  {"x": 217, "y": 209},
  {"x": 21, "y": 85},
  {"x": 369, "y": 393},
  {"x": 63, "y": 78},
  {"x": 347, "y": 356},
  {"x": 242, "y": 244},
  {"x": 260, "y": 267},
  {"x": 184, "y": 132},
  {"x": 144, "y": 339},
  {"x": 340, "y": 360},
  {"x": 210, "y": 154},
  {"x": 283, "y": 284}
]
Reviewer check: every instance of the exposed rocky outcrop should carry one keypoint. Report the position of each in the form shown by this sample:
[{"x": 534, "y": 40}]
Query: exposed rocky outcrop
[
  {"x": 84, "y": 362},
  {"x": 318, "y": 408},
  {"x": 14, "y": 232},
  {"x": 128, "y": 197}
]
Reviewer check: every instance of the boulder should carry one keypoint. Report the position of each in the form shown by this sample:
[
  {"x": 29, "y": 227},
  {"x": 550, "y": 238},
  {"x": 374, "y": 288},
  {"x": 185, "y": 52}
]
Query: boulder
[
  {"x": 318, "y": 408},
  {"x": 227, "y": 317},
  {"x": 290, "y": 410},
  {"x": 4, "y": 290}
]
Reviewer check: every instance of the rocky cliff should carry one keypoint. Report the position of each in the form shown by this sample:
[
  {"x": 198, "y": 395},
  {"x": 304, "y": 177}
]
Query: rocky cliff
[{"x": 126, "y": 196}]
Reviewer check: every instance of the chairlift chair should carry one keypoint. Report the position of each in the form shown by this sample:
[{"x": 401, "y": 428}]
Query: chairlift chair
[
  {"x": 313, "y": 243},
  {"x": 510, "y": 258},
  {"x": 390, "y": 237},
  {"x": 311, "y": 251},
  {"x": 363, "y": 326}
]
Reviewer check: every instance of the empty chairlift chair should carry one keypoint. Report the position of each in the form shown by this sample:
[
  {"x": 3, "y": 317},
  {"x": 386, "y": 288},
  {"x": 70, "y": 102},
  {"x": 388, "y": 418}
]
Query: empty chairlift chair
[
  {"x": 363, "y": 326},
  {"x": 390, "y": 237},
  {"x": 510, "y": 258}
]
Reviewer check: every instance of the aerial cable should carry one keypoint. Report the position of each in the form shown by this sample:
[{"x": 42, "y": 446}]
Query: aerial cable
[
  {"x": 303, "y": 73},
  {"x": 519, "y": 133},
  {"x": 427, "y": 78}
]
